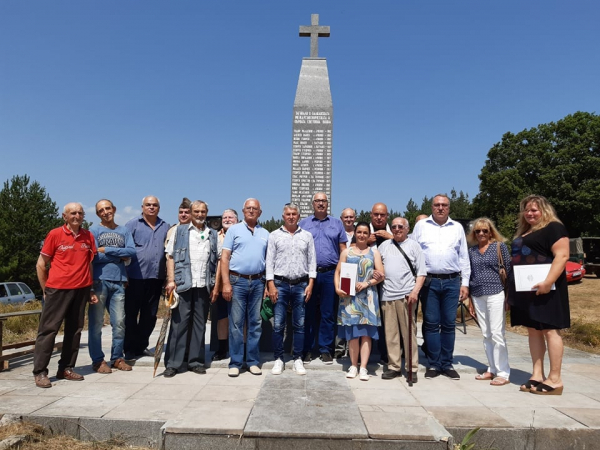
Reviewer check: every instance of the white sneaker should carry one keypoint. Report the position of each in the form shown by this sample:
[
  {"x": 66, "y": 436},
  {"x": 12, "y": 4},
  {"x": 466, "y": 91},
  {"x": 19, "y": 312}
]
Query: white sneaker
[
  {"x": 299, "y": 367},
  {"x": 352, "y": 372},
  {"x": 364, "y": 374},
  {"x": 278, "y": 367}
]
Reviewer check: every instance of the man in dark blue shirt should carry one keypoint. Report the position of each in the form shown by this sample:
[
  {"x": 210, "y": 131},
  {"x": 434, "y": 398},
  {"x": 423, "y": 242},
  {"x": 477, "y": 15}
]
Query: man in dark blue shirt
[
  {"x": 330, "y": 239},
  {"x": 146, "y": 274}
]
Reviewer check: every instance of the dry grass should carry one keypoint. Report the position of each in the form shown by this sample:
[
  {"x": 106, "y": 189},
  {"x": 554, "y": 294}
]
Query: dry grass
[
  {"x": 37, "y": 437},
  {"x": 21, "y": 328}
]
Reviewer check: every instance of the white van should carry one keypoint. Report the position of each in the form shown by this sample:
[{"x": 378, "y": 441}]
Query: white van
[{"x": 12, "y": 293}]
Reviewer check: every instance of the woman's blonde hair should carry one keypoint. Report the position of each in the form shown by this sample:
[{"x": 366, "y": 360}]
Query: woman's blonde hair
[
  {"x": 547, "y": 210},
  {"x": 484, "y": 222}
]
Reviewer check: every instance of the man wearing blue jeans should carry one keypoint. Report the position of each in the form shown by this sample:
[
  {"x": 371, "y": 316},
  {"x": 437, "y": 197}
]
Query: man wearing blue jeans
[
  {"x": 115, "y": 249},
  {"x": 448, "y": 271},
  {"x": 242, "y": 272},
  {"x": 330, "y": 239},
  {"x": 291, "y": 271}
]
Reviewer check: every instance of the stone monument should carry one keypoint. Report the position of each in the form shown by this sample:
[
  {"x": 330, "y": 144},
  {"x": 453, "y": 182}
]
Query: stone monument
[{"x": 312, "y": 125}]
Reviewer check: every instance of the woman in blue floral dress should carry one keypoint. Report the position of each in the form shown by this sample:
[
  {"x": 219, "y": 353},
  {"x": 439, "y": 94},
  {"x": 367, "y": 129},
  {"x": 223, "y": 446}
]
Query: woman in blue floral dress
[{"x": 358, "y": 315}]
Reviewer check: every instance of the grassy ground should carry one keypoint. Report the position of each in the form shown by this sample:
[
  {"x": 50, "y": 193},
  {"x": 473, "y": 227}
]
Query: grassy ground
[{"x": 36, "y": 437}]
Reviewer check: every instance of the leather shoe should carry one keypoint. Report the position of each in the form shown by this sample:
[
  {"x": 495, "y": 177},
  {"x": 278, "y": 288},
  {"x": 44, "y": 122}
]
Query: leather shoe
[
  {"x": 69, "y": 374},
  {"x": 42, "y": 380},
  {"x": 390, "y": 374},
  {"x": 147, "y": 352},
  {"x": 169, "y": 372},
  {"x": 200, "y": 370},
  {"x": 219, "y": 356}
]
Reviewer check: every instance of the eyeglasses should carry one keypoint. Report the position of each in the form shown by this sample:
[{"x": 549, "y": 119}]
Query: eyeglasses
[
  {"x": 397, "y": 227},
  {"x": 441, "y": 205},
  {"x": 320, "y": 201},
  {"x": 251, "y": 208},
  {"x": 482, "y": 231}
]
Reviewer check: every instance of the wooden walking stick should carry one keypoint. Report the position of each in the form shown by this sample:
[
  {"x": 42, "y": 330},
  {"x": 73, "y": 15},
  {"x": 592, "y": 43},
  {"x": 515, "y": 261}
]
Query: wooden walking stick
[{"x": 409, "y": 375}]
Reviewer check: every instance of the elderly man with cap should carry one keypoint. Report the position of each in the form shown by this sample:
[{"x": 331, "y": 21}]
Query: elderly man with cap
[{"x": 191, "y": 267}]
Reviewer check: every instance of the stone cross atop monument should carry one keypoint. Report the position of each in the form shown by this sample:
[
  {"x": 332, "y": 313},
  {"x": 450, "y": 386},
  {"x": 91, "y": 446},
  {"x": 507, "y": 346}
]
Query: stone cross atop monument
[{"x": 314, "y": 31}]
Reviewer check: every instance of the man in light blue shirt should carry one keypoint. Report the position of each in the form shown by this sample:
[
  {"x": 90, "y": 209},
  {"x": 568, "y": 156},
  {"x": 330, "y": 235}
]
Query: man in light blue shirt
[
  {"x": 242, "y": 272},
  {"x": 448, "y": 270}
]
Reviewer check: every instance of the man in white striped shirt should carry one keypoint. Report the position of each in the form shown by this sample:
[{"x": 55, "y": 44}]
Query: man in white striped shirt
[{"x": 291, "y": 269}]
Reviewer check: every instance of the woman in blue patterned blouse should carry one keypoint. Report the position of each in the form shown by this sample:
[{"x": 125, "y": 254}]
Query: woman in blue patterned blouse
[{"x": 488, "y": 296}]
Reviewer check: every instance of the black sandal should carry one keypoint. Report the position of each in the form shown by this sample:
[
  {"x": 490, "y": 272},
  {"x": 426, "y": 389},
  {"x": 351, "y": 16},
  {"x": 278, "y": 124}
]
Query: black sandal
[{"x": 530, "y": 384}]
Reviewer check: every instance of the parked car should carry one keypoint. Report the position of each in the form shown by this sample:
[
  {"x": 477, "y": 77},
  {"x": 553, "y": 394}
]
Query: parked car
[
  {"x": 15, "y": 293},
  {"x": 575, "y": 271}
]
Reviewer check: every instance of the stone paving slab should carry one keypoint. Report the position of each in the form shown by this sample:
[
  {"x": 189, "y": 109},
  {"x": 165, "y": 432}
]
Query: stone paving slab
[
  {"x": 301, "y": 412},
  {"x": 210, "y": 417},
  {"x": 406, "y": 423},
  {"x": 333, "y": 412}
]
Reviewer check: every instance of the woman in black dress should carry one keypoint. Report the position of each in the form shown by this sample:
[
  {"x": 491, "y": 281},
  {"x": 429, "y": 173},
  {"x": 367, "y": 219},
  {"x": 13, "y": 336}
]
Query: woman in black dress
[{"x": 542, "y": 239}]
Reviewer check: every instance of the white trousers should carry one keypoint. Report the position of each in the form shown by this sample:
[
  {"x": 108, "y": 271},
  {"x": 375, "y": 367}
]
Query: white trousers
[{"x": 492, "y": 319}]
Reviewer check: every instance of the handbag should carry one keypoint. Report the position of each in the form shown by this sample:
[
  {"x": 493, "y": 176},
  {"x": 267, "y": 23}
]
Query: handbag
[{"x": 501, "y": 267}]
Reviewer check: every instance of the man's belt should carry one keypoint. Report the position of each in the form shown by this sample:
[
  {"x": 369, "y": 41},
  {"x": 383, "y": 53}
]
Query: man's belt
[
  {"x": 326, "y": 269},
  {"x": 254, "y": 276},
  {"x": 444, "y": 276},
  {"x": 290, "y": 281}
]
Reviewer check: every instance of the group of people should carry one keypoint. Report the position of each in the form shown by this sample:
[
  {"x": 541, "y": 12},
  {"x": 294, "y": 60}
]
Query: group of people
[{"x": 301, "y": 268}]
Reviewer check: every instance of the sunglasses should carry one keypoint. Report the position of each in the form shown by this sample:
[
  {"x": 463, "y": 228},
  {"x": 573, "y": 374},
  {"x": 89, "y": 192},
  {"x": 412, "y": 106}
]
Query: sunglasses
[
  {"x": 482, "y": 231},
  {"x": 397, "y": 227}
]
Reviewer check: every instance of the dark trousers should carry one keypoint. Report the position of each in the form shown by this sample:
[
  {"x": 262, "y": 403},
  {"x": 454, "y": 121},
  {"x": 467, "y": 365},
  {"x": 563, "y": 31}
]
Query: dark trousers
[
  {"x": 188, "y": 320},
  {"x": 59, "y": 305},
  {"x": 323, "y": 296},
  {"x": 141, "y": 299}
]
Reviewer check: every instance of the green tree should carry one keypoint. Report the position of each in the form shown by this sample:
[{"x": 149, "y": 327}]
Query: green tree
[
  {"x": 460, "y": 205},
  {"x": 560, "y": 161},
  {"x": 271, "y": 224},
  {"x": 27, "y": 213}
]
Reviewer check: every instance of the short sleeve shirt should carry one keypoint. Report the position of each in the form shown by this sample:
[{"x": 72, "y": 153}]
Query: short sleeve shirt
[{"x": 70, "y": 257}]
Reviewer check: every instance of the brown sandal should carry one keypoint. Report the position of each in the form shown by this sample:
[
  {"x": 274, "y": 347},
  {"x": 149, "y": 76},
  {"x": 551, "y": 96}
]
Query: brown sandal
[
  {"x": 101, "y": 367},
  {"x": 120, "y": 364}
]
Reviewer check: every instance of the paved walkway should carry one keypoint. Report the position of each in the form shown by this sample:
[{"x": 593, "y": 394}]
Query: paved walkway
[{"x": 214, "y": 409}]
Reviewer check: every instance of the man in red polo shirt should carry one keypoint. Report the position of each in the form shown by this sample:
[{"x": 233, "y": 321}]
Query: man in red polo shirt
[{"x": 67, "y": 288}]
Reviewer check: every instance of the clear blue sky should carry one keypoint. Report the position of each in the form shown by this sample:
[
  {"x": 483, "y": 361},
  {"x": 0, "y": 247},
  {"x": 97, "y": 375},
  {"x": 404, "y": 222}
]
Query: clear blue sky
[{"x": 120, "y": 99}]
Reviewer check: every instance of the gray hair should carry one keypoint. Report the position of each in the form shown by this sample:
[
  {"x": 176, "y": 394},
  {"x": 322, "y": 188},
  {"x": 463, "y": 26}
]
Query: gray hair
[
  {"x": 233, "y": 211},
  {"x": 199, "y": 202},
  {"x": 291, "y": 206},
  {"x": 67, "y": 207},
  {"x": 251, "y": 199},
  {"x": 148, "y": 196},
  {"x": 351, "y": 209},
  {"x": 317, "y": 193}
]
